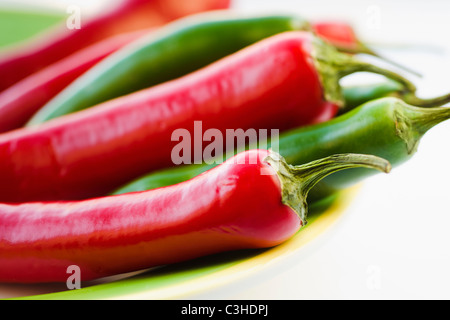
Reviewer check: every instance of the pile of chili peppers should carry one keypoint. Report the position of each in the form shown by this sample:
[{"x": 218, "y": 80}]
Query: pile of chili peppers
[{"x": 87, "y": 118}]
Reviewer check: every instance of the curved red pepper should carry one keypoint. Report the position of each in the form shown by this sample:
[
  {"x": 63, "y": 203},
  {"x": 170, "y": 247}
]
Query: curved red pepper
[
  {"x": 126, "y": 16},
  {"x": 273, "y": 84},
  {"x": 243, "y": 204},
  {"x": 113, "y": 235},
  {"x": 339, "y": 34},
  {"x": 21, "y": 101}
]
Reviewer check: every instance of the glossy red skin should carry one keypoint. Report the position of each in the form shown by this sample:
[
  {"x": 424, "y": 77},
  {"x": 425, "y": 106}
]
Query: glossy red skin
[
  {"x": 21, "y": 101},
  {"x": 339, "y": 34},
  {"x": 270, "y": 85},
  {"x": 233, "y": 206},
  {"x": 123, "y": 16}
]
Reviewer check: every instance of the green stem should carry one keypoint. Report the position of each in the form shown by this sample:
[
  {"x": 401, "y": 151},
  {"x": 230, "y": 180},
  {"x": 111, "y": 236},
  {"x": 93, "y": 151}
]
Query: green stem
[
  {"x": 413, "y": 99},
  {"x": 297, "y": 181},
  {"x": 423, "y": 120},
  {"x": 408, "y": 95},
  {"x": 413, "y": 122},
  {"x": 333, "y": 65},
  {"x": 366, "y": 50},
  {"x": 351, "y": 65}
]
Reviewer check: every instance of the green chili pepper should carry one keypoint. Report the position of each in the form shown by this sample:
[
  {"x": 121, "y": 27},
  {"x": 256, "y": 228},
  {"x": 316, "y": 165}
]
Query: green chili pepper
[
  {"x": 387, "y": 128},
  {"x": 360, "y": 94}
]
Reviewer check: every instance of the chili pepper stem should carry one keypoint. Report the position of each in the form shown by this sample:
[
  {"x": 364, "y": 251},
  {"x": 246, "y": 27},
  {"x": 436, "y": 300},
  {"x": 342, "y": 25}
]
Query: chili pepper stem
[
  {"x": 414, "y": 100},
  {"x": 424, "y": 120},
  {"x": 333, "y": 65},
  {"x": 297, "y": 181},
  {"x": 366, "y": 50},
  {"x": 353, "y": 65},
  {"x": 363, "y": 49},
  {"x": 413, "y": 122}
]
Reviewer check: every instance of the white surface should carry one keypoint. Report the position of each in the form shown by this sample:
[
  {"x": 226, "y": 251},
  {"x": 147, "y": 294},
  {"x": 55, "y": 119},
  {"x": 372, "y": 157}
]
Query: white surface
[{"x": 393, "y": 243}]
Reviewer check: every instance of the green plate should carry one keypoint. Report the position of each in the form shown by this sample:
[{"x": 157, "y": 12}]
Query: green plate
[
  {"x": 18, "y": 26},
  {"x": 176, "y": 281}
]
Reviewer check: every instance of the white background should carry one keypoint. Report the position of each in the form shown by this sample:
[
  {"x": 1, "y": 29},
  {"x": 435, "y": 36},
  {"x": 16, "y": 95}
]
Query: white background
[{"x": 393, "y": 242}]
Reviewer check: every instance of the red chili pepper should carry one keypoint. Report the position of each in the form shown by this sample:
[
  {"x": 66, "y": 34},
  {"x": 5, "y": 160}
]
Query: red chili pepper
[
  {"x": 21, "y": 101},
  {"x": 274, "y": 84},
  {"x": 340, "y": 34},
  {"x": 126, "y": 16},
  {"x": 254, "y": 200}
]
